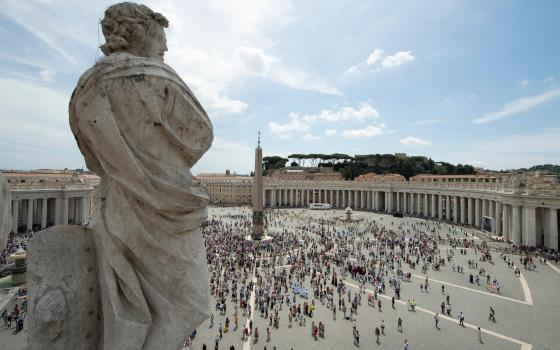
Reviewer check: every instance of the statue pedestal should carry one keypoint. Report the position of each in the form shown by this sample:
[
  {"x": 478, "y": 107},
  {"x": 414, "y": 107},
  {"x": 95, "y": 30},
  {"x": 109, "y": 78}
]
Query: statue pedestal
[{"x": 62, "y": 289}]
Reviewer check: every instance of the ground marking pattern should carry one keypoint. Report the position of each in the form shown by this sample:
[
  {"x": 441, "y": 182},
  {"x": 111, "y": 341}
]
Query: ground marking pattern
[
  {"x": 524, "y": 345},
  {"x": 526, "y": 291}
]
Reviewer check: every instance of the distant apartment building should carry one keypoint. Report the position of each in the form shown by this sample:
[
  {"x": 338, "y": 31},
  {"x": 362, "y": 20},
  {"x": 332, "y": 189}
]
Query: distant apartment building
[{"x": 227, "y": 189}]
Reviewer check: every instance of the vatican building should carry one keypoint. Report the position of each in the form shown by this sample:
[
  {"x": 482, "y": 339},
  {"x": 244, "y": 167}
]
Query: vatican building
[{"x": 515, "y": 208}]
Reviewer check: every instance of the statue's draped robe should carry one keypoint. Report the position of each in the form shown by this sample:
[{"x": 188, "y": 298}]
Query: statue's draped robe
[{"x": 141, "y": 129}]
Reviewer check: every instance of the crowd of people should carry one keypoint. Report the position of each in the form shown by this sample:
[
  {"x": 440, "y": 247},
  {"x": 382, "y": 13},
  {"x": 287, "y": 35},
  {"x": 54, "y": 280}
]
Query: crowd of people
[{"x": 314, "y": 261}]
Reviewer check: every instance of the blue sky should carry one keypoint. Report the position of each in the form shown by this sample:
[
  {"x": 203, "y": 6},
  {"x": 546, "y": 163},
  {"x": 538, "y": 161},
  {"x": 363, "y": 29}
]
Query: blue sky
[{"x": 473, "y": 82}]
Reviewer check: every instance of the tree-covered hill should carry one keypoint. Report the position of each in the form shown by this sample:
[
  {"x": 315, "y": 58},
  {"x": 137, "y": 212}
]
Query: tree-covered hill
[{"x": 351, "y": 167}]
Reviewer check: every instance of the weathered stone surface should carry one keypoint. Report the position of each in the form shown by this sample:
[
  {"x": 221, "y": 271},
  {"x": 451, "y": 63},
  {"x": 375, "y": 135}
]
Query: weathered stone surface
[
  {"x": 63, "y": 293},
  {"x": 141, "y": 129},
  {"x": 5, "y": 212}
]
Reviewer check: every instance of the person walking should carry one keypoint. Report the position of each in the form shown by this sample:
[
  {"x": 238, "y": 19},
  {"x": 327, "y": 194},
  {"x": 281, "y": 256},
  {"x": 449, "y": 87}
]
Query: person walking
[
  {"x": 492, "y": 314},
  {"x": 461, "y": 319},
  {"x": 436, "y": 319},
  {"x": 406, "y": 344},
  {"x": 442, "y": 289},
  {"x": 479, "y": 334},
  {"x": 382, "y": 326},
  {"x": 377, "y": 335},
  {"x": 399, "y": 325}
]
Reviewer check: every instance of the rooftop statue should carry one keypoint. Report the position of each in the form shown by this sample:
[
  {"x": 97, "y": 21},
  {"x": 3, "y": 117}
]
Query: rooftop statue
[{"x": 141, "y": 129}]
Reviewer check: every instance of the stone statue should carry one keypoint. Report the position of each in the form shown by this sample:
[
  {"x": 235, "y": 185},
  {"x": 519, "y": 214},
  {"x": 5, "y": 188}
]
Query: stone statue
[
  {"x": 5, "y": 212},
  {"x": 141, "y": 129}
]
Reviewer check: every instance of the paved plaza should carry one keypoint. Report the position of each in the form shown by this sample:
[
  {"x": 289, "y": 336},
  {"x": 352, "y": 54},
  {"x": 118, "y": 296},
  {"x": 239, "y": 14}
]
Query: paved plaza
[{"x": 526, "y": 309}]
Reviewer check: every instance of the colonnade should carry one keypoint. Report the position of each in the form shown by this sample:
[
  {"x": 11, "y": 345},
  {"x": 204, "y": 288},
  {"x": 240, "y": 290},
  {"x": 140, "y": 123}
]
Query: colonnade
[
  {"x": 42, "y": 212},
  {"x": 526, "y": 221}
]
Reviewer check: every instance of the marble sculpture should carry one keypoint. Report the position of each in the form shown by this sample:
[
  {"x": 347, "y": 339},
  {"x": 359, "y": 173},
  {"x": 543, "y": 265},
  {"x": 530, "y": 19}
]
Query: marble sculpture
[{"x": 141, "y": 129}]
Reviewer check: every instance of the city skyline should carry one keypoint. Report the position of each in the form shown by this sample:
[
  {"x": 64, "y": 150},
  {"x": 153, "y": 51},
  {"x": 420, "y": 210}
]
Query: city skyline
[{"x": 468, "y": 82}]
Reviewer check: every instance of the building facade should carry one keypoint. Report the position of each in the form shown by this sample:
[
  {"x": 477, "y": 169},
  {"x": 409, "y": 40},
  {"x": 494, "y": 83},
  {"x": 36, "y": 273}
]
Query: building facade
[
  {"x": 520, "y": 208},
  {"x": 43, "y": 198},
  {"x": 228, "y": 189}
]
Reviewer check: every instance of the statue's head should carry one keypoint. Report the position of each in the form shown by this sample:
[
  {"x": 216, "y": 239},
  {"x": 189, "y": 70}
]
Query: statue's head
[{"x": 135, "y": 29}]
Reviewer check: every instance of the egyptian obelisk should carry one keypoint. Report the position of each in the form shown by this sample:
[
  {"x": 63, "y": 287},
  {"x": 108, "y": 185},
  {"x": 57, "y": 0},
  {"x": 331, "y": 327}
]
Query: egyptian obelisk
[{"x": 258, "y": 222}]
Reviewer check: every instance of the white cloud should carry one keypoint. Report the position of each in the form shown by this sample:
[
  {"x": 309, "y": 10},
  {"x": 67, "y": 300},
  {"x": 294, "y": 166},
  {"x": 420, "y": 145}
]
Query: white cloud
[
  {"x": 295, "y": 125},
  {"x": 513, "y": 150},
  {"x": 354, "y": 70},
  {"x": 428, "y": 121},
  {"x": 524, "y": 83},
  {"x": 518, "y": 106},
  {"x": 226, "y": 154},
  {"x": 254, "y": 60},
  {"x": 550, "y": 81},
  {"x": 330, "y": 132},
  {"x": 214, "y": 97},
  {"x": 35, "y": 131},
  {"x": 397, "y": 59},
  {"x": 363, "y": 112},
  {"x": 235, "y": 47},
  {"x": 414, "y": 141},
  {"x": 47, "y": 75},
  {"x": 375, "y": 56},
  {"x": 309, "y": 137},
  {"x": 368, "y": 131}
]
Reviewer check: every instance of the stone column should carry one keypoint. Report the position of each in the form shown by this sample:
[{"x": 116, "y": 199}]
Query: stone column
[
  {"x": 433, "y": 206},
  {"x": 462, "y": 210},
  {"x": 440, "y": 206},
  {"x": 505, "y": 223},
  {"x": 455, "y": 209},
  {"x": 15, "y": 214},
  {"x": 498, "y": 219},
  {"x": 362, "y": 201},
  {"x": 65, "y": 210},
  {"x": 470, "y": 211},
  {"x": 530, "y": 231},
  {"x": 425, "y": 209},
  {"x": 477, "y": 212},
  {"x": 44, "y": 204},
  {"x": 29, "y": 215},
  {"x": 484, "y": 208},
  {"x": 516, "y": 224},
  {"x": 447, "y": 208},
  {"x": 83, "y": 210},
  {"x": 553, "y": 228}
]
